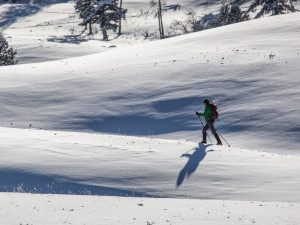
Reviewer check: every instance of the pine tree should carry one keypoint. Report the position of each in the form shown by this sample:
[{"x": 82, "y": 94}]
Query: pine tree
[
  {"x": 85, "y": 8},
  {"x": 107, "y": 14},
  {"x": 273, "y": 7},
  {"x": 7, "y": 55},
  {"x": 229, "y": 14}
]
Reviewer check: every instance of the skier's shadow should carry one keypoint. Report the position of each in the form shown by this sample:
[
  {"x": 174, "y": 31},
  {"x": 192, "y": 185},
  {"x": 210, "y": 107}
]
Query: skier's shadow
[{"x": 191, "y": 166}]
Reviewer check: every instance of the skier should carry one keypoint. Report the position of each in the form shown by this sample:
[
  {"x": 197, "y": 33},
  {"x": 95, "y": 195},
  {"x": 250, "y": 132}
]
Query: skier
[{"x": 209, "y": 123}]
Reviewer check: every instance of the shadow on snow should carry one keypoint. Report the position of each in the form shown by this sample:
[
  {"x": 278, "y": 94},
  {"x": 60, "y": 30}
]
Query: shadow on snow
[
  {"x": 68, "y": 39},
  {"x": 166, "y": 116},
  {"x": 15, "y": 181},
  {"x": 131, "y": 125},
  {"x": 16, "y": 12},
  {"x": 23, "y": 9},
  {"x": 191, "y": 166}
]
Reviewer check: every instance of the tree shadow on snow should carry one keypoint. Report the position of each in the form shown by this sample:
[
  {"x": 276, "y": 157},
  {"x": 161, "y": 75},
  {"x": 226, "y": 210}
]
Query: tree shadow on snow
[
  {"x": 23, "y": 9},
  {"x": 198, "y": 3},
  {"x": 68, "y": 39},
  {"x": 15, "y": 12},
  {"x": 191, "y": 166}
]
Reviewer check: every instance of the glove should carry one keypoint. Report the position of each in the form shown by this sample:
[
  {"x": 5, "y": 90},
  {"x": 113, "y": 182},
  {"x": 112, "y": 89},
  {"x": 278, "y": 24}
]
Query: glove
[{"x": 198, "y": 114}]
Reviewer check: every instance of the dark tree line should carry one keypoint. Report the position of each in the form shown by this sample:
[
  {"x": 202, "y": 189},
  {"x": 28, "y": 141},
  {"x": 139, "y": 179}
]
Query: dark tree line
[
  {"x": 273, "y": 7},
  {"x": 232, "y": 13},
  {"x": 229, "y": 14}
]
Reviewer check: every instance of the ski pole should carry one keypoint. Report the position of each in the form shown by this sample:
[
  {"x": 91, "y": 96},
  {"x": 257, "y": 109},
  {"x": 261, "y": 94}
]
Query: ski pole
[
  {"x": 223, "y": 138},
  {"x": 203, "y": 127}
]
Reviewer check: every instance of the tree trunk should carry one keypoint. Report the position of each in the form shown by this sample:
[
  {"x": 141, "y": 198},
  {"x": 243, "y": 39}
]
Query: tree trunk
[
  {"x": 90, "y": 28},
  {"x": 104, "y": 33},
  {"x": 161, "y": 26},
  {"x": 120, "y": 22}
]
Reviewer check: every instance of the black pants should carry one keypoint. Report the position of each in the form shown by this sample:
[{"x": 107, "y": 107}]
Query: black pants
[{"x": 210, "y": 125}]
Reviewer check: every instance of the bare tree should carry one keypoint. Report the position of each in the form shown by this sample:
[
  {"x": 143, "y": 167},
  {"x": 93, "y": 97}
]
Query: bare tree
[
  {"x": 161, "y": 25},
  {"x": 159, "y": 5},
  {"x": 182, "y": 25},
  {"x": 191, "y": 24},
  {"x": 192, "y": 19}
]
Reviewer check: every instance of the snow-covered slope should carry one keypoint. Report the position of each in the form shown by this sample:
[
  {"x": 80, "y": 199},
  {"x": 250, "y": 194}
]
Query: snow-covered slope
[
  {"x": 66, "y": 162},
  {"x": 43, "y": 30},
  {"x": 240, "y": 186},
  {"x": 144, "y": 99},
  {"x": 249, "y": 69},
  {"x": 92, "y": 210}
]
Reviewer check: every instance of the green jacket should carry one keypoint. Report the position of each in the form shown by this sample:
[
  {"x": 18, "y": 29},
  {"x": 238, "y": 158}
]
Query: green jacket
[{"x": 207, "y": 113}]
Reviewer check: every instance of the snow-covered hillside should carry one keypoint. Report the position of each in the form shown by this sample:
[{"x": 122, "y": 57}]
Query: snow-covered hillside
[
  {"x": 249, "y": 69},
  {"x": 42, "y": 32},
  {"x": 91, "y": 210},
  {"x": 240, "y": 186},
  {"x": 47, "y": 30},
  {"x": 66, "y": 162},
  {"x": 111, "y": 119}
]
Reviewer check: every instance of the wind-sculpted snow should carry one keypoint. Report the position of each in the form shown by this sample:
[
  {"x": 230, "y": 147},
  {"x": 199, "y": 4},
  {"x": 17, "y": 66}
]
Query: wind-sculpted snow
[
  {"x": 134, "y": 129},
  {"x": 80, "y": 163},
  {"x": 249, "y": 69}
]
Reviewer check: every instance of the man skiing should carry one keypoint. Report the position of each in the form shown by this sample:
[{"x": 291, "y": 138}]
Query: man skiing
[{"x": 209, "y": 123}]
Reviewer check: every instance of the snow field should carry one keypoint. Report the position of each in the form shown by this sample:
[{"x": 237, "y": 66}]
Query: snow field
[
  {"x": 131, "y": 111},
  {"x": 45, "y": 32},
  {"x": 95, "y": 210},
  {"x": 78, "y": 163},
  {"x": 155, "y": 88},
  {"x": 48, "y": 30}
]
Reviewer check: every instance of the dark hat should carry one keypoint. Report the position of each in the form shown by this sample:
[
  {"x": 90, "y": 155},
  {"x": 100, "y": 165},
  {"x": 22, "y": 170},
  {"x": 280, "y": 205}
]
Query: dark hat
[{"x": 206, "y": 101}]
